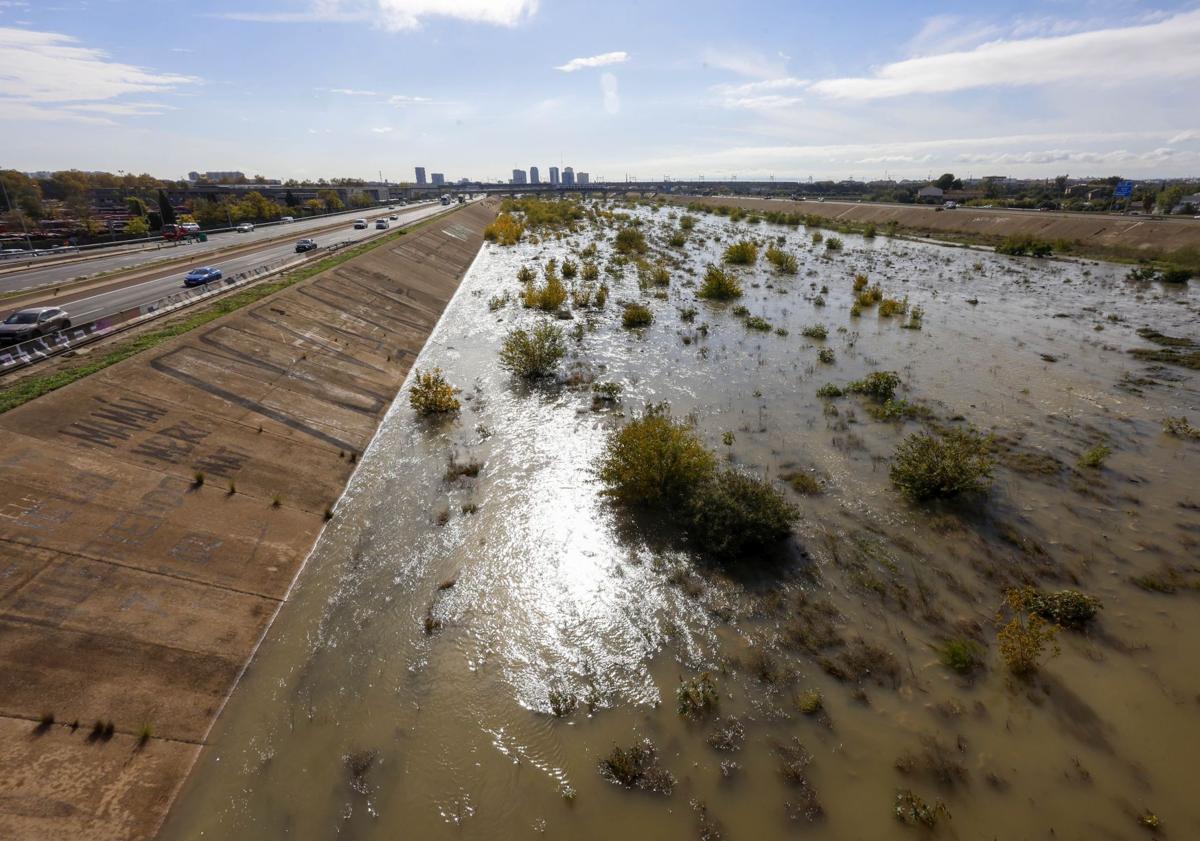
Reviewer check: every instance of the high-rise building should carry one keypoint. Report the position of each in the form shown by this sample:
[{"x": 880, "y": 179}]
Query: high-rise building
[
  {"x": 518, "y": 176},
  {"x": 420, "y": 175},
  {"x": 582, "y": 178},
  {"x": 437, "y": 179},
  {"x": 534, "y": 175},
  {"x": 568, "y": 177},
  {"x": 553, "y": 175}
]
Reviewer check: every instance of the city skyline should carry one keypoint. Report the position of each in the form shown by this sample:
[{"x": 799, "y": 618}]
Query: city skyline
[{"x": 1089, "y": 89}]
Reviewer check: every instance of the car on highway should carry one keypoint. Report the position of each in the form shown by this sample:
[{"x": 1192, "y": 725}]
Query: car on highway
[
  {"x": 30, "y": 323},
  {"x": 284, "y": 219},
  {"x": 201, "y": 276},
  {"x": 396, "y": 216},
  {"x": 306, "y": 244},
  {"x": 382, "y": 224},
  {"x": 360, "y": 224},
  {"x": 244, "y": 228}
]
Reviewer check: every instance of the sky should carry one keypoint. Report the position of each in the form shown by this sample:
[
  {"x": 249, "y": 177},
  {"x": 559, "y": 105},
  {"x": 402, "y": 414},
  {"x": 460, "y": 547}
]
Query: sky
[{"x": 787, "y": 89}]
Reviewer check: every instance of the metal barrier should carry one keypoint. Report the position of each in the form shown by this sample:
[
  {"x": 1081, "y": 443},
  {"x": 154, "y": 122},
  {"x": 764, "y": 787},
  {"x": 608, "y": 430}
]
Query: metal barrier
[{"x": 36, "y": 350}]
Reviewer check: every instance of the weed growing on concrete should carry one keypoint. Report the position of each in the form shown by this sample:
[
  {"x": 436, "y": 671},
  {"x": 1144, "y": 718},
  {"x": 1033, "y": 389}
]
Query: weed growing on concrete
[
  {"x": 431, "y": 394},
  {"x": 937, "y": 466},
  {"x": 535, "y": 354}
]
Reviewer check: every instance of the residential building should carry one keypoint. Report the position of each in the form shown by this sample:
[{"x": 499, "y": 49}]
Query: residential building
[
  {"x": 534, "y": 175},
  {"x": 518, "y": 176},
  {"x": 217, "y": 176},
  {"x": 582, "y": 178},
  {"x": 437, "y": 179},
  {"x": 930, "y": 193},
  {"x": 420, "y": 175},
  {"x": 554, "y": 175},
  {"x": 568, "y": 177}
]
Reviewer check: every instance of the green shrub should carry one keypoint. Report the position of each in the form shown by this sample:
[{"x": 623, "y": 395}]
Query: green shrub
[
  {"x": 526, "y": 274},
  {"x": 696, "y": 697},
  {"x": 928, "y": 466},
  {"x": 549, "y": 297},
  {"x": 532, "y": 355},
  {"x": 829, "y": 391},
  {"x": 1094, "y": 458},
  {"x": 631, "y": 241},
  {"x": 654, "y": 461},
  {"x": 1024, "y": 642},
  {"x": 961, "y": 655},
  {"x": 890, "y": 306},
  {"x": 735, "y": 513},
  {"x": 744, "y": 253},
  {"x": 879, "y": 384},
  {"x": 677, "y": 240},
  {"x": 869, "y": 231},
  {"x": 687, "y": 223},
  {"x": 757, "y": 322},
  {"x": 860, "y": 282},
  {"x": 810, "y": 701},
  {"x": 659, "y": 276},
  {"x": 719, "y": 285},
  {"x": 431, "y": 394},
  {"x": 1068, "y": 608},
  {"x": 636, "y": 315},
  {"x": 815, "y": 331},
  {"x": 506, "y": 230},
  {"x": 827, "y": 357},
  {"x": 637, "y": 767},
  {"x": 569, "y": 269},
  {"x": 1021, "y": 244},
  {"x": 783, "y": 262},
  {"x": 1175, "y": 274},
  {"x": 833, "y": 244},
  {"x": 590, "y": 271}
]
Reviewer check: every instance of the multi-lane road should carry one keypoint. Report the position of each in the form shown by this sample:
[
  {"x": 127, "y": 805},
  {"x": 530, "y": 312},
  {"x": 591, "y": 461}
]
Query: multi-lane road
[
  {"x": 56, "y": 271},
  {"x": 84, "y": 306}
]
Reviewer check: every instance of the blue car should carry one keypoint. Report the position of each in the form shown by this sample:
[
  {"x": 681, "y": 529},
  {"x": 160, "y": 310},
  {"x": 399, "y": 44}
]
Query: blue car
[{"x": 201, "y": 276}]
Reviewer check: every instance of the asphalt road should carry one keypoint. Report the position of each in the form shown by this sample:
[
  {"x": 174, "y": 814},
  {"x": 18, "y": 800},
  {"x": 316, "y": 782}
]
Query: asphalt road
[
  {"x": 56, "y": 273},
  {"x": 90, "y": 308}
]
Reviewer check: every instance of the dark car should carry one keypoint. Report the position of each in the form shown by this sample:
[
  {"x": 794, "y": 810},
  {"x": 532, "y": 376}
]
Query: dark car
[
  {"x": 307, "y": 244},
  {"x": 31, "y": 323},
  {"x": 201, "y": 276}
]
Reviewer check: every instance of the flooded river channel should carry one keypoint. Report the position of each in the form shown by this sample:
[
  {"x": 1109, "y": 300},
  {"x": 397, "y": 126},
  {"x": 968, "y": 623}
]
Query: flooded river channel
[{"x": 462, "y": 650}]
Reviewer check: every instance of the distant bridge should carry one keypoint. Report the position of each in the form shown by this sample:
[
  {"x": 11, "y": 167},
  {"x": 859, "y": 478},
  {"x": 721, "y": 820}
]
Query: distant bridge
[{"x": 606, "y": 188}]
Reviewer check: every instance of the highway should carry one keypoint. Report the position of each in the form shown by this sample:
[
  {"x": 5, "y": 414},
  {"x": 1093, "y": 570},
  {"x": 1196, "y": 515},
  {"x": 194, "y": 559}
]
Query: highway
[
  {"x": 59, "y": 272},
  {"x": 86, "y": 307}
]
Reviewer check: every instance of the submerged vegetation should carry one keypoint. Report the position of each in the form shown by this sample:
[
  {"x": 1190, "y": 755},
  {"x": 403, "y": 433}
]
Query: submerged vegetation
[
  {"x": 942, "y": 465},
  {"x": 533, "y": 354},
  {"x": 719, "y": 285}
]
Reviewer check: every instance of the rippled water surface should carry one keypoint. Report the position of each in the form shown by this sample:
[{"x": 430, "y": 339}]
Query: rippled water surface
[{"x": 406, "y": 689}]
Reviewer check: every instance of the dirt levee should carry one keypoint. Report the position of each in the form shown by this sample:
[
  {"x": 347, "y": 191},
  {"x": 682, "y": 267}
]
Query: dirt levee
[{"x": 154, "y": 515}]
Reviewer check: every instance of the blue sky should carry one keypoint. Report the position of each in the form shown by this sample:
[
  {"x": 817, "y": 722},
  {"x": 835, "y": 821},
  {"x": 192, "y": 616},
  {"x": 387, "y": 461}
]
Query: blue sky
[{"x": 477, "y": 87}]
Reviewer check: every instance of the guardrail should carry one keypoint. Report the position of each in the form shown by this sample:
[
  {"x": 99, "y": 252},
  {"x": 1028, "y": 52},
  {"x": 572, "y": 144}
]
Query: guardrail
[{"x": 31, "y": 351}]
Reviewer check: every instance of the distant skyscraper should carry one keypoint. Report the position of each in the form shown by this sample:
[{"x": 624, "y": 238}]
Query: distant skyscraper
[
  {"x": 553, "y": 175},
  {"x": 568, "y": 177},
  {"x": 420, "y": 175},
  {"x": 534, "y": 176},
  {"x": 518, "y": 176},
  {"x": 437, "y": 179},
  {"x": 582, "y": 178}
]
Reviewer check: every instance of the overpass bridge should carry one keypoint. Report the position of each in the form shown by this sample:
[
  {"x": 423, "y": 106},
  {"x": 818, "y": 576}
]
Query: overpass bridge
[{"x": 605, "y": 188}]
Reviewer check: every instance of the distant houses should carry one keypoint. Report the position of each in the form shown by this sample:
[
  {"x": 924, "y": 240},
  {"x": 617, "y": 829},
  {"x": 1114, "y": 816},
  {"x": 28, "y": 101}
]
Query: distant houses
[{"x": 930, "y": 194}]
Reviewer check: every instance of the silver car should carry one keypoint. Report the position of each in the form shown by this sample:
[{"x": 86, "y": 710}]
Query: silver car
[{"x": 30, "y": 323}]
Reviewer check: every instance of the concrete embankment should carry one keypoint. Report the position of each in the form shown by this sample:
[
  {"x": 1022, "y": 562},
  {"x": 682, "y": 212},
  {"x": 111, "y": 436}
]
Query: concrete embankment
[
  {"x": 154, "y": 515},
  {"x": 1098, "y": 235}
]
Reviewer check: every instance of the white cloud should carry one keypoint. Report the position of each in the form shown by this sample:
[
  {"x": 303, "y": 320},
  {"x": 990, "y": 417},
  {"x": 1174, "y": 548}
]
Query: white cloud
[
  {"x": 399, "y": 14},
  {"x": 382, "y": 129},
  {"x": 28, "y": 112},
  {"x": 594, "y": 61},
  {"x": 1161, "y": 50},
  {"x": 401, "y": 99},
  {"x": 766, "y": 95},
  {"x": 49, "y": 67},
  {"x": 348, "y": 91},
  {"x": 743, "y": 62},
  {"x": 122, "y": 109},
  {"x": 612, "y": 98}
]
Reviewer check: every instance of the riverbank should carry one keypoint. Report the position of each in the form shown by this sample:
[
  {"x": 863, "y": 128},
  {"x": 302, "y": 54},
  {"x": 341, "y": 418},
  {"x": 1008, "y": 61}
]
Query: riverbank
[
  {"x": 1118, "y": 238},
  {"x": 156, "y": 513}
]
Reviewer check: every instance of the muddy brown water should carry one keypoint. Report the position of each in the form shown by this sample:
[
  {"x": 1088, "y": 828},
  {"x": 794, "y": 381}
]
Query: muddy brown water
[{"x": 353, "y": 721}]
